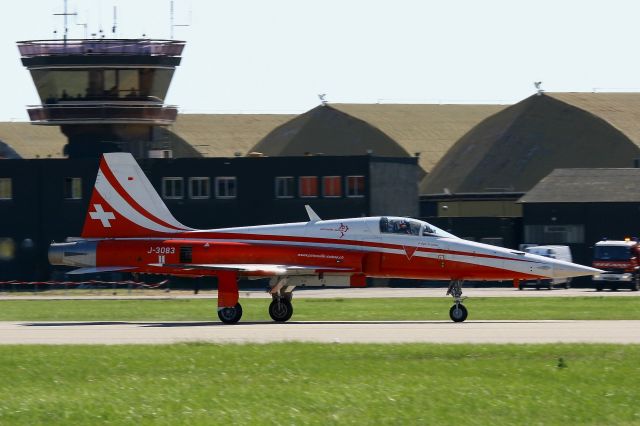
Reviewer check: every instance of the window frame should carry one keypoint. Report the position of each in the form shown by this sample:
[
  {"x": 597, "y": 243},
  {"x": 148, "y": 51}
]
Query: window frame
[
  {"x": 226, "y": 179},
  {"x": 293, "y": 186},
  {"x": 364, "y": 187},
  {"x": 205, "y": 179},
  {"x": 301, "y": 179},
  {"x": 340, "y": 187},
  {"x": 9, "y": 186},
  {"x": 76, "y": 184},
  {"x": 166, "y": 179}
]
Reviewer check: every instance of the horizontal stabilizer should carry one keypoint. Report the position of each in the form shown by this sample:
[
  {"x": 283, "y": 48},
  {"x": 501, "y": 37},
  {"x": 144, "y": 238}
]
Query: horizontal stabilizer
[{"x": 101, "y": 269}]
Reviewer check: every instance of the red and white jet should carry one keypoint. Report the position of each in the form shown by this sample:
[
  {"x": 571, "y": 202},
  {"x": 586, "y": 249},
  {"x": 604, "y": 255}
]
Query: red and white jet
[{"x": 129, "y": 228}]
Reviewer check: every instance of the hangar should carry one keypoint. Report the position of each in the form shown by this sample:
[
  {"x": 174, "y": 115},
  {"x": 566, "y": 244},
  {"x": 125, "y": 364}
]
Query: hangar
[
  {"x": 578, "y": 207},
  {"x": 475, "y": 187}
]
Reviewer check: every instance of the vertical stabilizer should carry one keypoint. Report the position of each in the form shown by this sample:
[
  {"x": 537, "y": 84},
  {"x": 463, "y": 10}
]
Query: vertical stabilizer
[{"x": 125, "y": 204}]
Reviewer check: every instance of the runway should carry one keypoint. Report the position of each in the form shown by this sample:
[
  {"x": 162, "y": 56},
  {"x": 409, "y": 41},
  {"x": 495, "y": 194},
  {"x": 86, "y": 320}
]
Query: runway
[
  {"x": 313, "y": 293},
  {"x": 113, "y": 333}
]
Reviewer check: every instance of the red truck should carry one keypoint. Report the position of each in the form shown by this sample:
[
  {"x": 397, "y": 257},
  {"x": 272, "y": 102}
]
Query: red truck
[{"x": 621, "y": 262}]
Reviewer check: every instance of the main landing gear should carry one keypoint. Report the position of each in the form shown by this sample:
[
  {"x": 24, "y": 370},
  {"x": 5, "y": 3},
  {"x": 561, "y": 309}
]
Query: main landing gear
[
  {"x": 281, "y": 308},
  {"x": 458, "y": 311},
  {"x": 230, "y": 315}
]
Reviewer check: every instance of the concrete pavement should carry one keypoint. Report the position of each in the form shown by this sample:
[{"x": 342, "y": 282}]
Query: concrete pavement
[{"x": 321, "y": 331}]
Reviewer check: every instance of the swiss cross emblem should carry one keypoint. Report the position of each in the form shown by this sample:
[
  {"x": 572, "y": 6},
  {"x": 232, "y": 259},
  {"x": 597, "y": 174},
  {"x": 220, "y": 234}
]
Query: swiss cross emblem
[{"x": 102, "y": 216}]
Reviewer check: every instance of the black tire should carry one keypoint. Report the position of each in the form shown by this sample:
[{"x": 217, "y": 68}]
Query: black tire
[
  {"x": 635, "y": 283},
  {"x": 458, "y": 313},
  {"x": 230, "y": 315},
  {"x": 280, "y": 310},
  {"x": 599, "y": 287},
  {"x": 567, "y": 284}
]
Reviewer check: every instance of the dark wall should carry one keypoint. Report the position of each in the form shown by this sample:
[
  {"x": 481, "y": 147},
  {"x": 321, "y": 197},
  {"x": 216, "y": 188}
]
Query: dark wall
[
  {"x": 256, "y": 203},
  {"x": 614, "y": 221},
  {"x": 38, "y": 213},
  {"x": 394, "y": 186}
]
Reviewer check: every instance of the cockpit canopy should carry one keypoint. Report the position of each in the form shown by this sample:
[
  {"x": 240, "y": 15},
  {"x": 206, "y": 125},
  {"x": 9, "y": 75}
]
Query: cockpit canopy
[{"x": 406, "y": 226}]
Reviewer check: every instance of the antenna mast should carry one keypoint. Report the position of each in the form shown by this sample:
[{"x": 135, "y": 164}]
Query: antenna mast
[
  {"x": 171, "y": 19},
  {"x": 65, "y": 14},
  {"x": 115, "y": 20}
]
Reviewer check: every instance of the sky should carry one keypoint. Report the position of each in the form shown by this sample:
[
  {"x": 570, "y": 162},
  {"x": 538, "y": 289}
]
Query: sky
[{"x": 259, "y": 56}]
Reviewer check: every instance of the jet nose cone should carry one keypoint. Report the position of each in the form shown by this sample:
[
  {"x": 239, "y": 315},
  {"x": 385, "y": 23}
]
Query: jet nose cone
[{"x": 563, "y": 269}]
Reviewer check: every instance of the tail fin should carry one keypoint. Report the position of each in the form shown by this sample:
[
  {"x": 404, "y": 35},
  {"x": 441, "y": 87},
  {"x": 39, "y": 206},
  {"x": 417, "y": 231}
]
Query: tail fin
[{"x": 125, "y": 204}]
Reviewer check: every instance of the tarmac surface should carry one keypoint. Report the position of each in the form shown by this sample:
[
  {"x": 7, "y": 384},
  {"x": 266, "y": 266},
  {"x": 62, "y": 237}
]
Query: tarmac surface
[
  {"x": 154, "y": 332},
  {"x": 368, "y": 292},
  {"x": 158, "y": 332}
]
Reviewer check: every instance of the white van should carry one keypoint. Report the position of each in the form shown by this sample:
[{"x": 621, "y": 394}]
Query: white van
[{"x": 554, "y": 252}]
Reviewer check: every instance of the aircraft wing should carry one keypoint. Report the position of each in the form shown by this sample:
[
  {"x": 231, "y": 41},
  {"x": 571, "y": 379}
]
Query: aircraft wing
[
  {"x": 99, "y": 269},
  {"x": 257, "y": 268}
]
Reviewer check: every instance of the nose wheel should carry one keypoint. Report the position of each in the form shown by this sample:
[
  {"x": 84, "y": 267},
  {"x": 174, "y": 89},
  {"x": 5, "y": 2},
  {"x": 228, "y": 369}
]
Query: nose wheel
[
  {"x": 280, "y": 309},
  {"x": 458, "y": 312}
]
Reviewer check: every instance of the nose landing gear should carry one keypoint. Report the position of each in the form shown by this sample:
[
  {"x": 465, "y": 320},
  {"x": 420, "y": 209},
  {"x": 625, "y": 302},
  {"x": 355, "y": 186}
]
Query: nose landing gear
[
  {"x": 281, "y": 308},
  {"x": 458, "y": 312}
]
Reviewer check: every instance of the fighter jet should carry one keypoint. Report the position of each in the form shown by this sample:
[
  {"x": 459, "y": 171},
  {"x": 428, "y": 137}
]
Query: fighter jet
[{"x": 128, "y": 228}]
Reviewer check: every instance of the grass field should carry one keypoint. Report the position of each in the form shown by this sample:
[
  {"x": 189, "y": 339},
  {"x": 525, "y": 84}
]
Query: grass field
[
  {"x": 320, "y": 384},
  {"x": 561, "y": 308}
]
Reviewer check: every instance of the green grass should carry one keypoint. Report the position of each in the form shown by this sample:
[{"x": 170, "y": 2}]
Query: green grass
[
  {"x": 320, "y": 384},
  {"x": 578, "y": 308}
]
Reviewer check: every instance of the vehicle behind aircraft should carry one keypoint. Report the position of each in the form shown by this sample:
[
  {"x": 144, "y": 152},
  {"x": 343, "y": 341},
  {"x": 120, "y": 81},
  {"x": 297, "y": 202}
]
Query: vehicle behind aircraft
[
  {"x": 128, "y": 228},
  {"x": 554, "y": 252},
  {"x": 620, "y": 262}
]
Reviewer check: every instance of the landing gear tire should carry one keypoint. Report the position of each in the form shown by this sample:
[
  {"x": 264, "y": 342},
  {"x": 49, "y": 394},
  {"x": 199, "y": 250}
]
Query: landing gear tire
[
  {"x": 635, "y": 284},
  {"x": 280, "y": 309},
  {"x": 520, "y": 286},
  {"x": 458, "y": 312},
  {"x": 230, "y": 315},
  {"x": 567, "y": 284},
  {"x": 599, "y": 287}
]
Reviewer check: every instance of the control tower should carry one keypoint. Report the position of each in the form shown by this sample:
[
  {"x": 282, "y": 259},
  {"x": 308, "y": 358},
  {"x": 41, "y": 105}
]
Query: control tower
[{"x": 105, "y": 94}]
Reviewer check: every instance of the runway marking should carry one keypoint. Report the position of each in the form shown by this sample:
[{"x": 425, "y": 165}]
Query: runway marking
[{"x": 157, "y": 332}]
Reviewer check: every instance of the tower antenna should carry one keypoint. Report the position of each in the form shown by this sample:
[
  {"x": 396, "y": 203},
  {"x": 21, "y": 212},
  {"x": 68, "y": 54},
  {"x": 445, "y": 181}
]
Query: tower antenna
[
  {"x": 66, "y": 14},
  {"x": 172, "y": 25},
  {"x": 115, "y": 21}
]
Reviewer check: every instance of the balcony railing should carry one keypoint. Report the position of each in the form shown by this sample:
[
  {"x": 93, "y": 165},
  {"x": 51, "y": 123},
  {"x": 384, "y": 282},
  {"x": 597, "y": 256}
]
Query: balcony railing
[
  {"x": 146, "y": 47},
  {"x": 103, "y": 114}
]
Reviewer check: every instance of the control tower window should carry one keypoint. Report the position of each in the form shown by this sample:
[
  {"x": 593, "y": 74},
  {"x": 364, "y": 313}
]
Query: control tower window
[{"x": 96, "y": 84}]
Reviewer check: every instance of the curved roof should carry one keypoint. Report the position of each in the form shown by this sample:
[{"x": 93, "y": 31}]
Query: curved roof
[
  {"x": 326, "y": 130},
  {"x": 515, "y": 148},
  {"x": 428, "y": 129}
]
